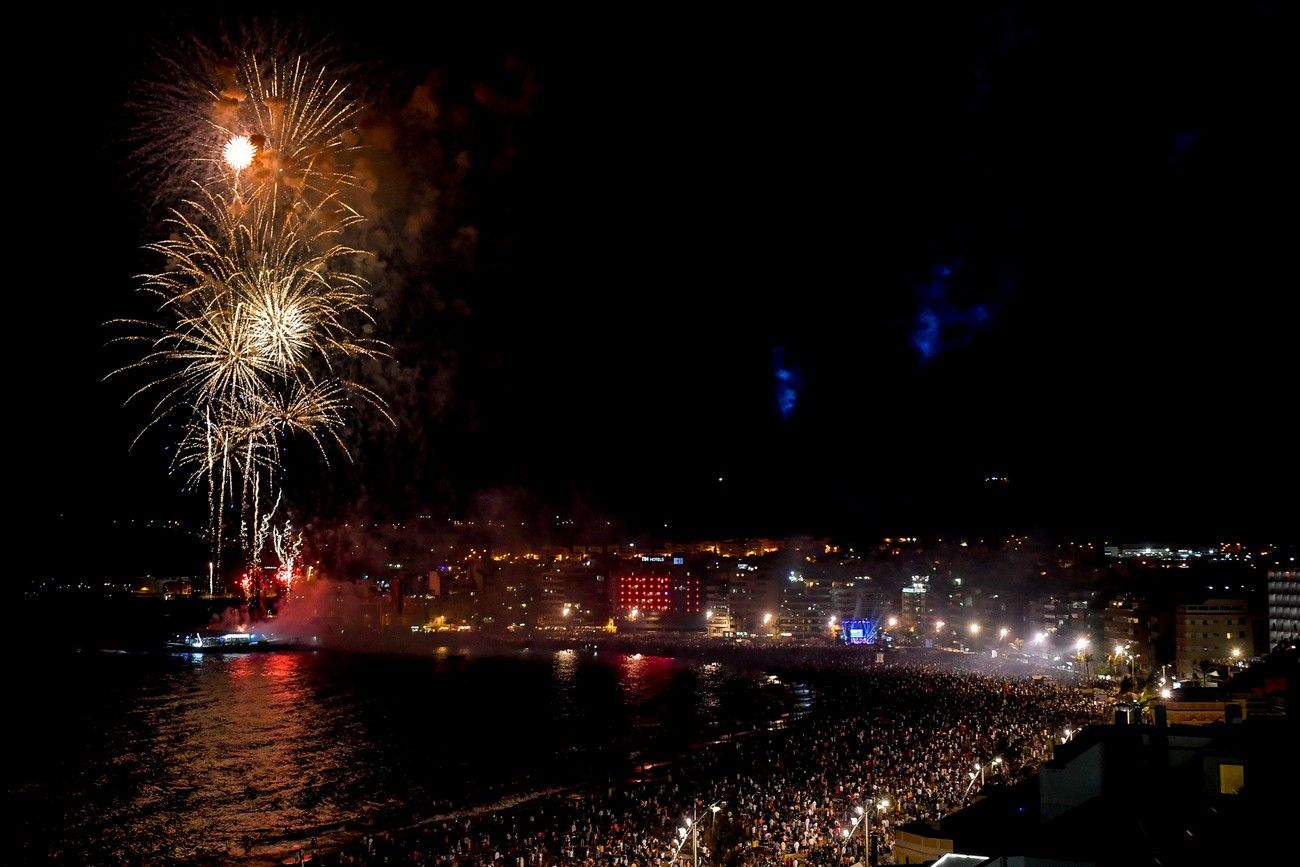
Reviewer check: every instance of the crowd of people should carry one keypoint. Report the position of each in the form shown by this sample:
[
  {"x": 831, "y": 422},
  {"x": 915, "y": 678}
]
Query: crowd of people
[{"x": 906, "y": 736}]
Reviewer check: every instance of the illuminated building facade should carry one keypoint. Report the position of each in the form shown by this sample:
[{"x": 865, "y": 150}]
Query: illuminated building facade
[
  {"x": 916, "y": 607},
  {"x": 1216, "y": 631},
  {"x": 753, "y": 599},
  {"x": 807, "y": 604},
  {"x": 1283, "y": 607},
  {"x": 1125, "y": 624},
  {"x": 658, "y": 592},
  {"x": 1051, "y": 614}
]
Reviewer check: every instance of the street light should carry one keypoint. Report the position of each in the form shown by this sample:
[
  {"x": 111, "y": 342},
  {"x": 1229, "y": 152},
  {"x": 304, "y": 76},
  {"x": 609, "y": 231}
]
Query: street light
[
  {"x": 863, "y": 817},
  {"x": 974, "y": 629},
  {"x": 893, "y": 621},
  {"x": 691, "y": 830},
  {"x": 1002, "y": 633}
]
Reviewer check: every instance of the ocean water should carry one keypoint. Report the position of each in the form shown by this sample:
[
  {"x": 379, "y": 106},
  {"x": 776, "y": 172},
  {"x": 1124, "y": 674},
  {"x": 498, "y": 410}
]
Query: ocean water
[{"x": 193, "y": 757}]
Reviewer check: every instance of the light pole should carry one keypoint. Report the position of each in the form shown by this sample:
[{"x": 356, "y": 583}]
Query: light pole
[
  {"x": 691, "y": 830},
  {"x": 1124, "y": 652},
  {"x": 863, "y": 816}
]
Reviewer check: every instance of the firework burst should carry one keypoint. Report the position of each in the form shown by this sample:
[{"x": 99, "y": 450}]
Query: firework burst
[
  {"x": 257, "y": 311},
  {"x": 260, "y": 113},
  {"x": 246, "y": 297}
]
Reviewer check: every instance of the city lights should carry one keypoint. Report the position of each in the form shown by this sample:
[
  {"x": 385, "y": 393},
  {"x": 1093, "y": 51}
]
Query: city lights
[
  {"x": 659, "y": 593},
  {"x": 974, "y": 629}
]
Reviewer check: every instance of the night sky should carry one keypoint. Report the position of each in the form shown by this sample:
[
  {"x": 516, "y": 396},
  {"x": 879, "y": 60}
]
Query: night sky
[{"x": 852, "y": 268}]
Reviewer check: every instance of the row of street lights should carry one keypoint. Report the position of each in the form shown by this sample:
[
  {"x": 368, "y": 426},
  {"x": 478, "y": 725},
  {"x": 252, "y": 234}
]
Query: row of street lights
[{"x": 690, "y": 828}]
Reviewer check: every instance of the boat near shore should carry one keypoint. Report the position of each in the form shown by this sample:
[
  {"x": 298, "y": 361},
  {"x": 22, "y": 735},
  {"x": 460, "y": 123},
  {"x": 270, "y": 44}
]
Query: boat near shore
[{"x": 227, "y": 642}]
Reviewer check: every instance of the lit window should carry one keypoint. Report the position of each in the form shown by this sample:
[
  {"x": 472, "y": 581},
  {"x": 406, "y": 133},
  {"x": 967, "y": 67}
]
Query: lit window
[{"x": 1231, "y": 779}]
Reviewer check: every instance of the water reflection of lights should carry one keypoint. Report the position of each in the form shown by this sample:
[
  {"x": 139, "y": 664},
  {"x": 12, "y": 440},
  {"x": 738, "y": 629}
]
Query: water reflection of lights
[
  {"x": 643, "y": 677},
  {"x": 709, "y": 687},
  {"x": 565, "y": 672},
  {"x": 247, "y": 733}
]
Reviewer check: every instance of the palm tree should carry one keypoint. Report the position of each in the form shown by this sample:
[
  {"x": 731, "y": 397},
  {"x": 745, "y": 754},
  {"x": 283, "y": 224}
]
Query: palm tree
[{"x": 1140, "y": 691}]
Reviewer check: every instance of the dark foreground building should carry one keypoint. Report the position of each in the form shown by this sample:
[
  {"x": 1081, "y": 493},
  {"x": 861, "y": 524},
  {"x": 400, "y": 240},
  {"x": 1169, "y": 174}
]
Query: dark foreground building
[{"x": 1133, "y": 794}]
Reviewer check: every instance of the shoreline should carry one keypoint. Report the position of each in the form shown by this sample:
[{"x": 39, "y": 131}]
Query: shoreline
[{"x": 280, "y": 852}]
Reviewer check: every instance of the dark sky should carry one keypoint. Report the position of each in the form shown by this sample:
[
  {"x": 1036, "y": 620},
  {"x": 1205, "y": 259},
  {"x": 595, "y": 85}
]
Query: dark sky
[{"x": 1039, "y": 244}]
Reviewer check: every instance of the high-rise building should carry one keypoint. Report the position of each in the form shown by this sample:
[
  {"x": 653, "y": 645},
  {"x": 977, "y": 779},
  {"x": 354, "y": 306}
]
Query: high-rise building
[
  {"x": 916, "y": 606},
  {"x": 1086, "y": 615},
  {"x": 658, "y": 592},
  {"x": 753, "y": 598},
  {"x": 1051, "y": 614},
  {"x": 1283, "y": 607},
  {"x": 1125, "y": 624},
  {"x": 807, "y": 607},
  {"x": 1216, "y": 631}
]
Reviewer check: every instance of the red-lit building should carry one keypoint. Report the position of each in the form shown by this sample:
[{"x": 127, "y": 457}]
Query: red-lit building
[{"x": 657, "y": 592}]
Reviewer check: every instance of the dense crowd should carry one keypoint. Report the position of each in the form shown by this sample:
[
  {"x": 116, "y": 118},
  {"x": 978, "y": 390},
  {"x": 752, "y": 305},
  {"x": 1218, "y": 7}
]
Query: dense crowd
[{"x": 909, "y": 735}]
